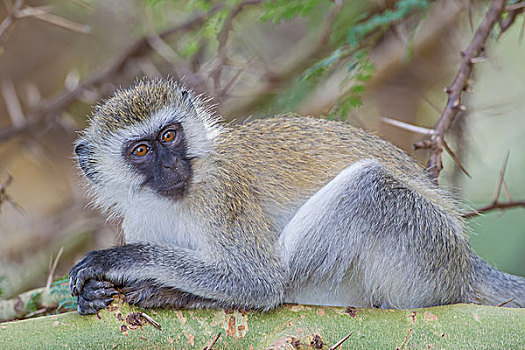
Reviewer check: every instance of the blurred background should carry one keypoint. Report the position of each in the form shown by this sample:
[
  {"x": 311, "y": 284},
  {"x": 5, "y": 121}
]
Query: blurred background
[{"x": 359, "y": 61}]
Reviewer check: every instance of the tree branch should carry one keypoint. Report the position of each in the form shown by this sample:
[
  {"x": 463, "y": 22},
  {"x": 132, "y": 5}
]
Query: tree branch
[
  {"x": 470, "y": 56},
  {"x": 67, "y": 97},
  {"x": 10, "y": 19},
  {"x": 494, "y": 206},
  {"x": 288, "y": 327}
]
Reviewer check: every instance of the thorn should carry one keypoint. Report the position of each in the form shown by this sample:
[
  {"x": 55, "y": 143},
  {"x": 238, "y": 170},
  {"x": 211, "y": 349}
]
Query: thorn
[
  {"x": 477, "y": 59},
  {"x": 338, "y": 344},
  {"x": 455, "y": 158},
  {"x": 408, "y": 127},
  {"x": 462, "y": 108},
  {"x": 151, "y": 320},
  {"x": 505, "y": 302},
  {"x": 212, "y": 343},
  {"x": 447, "y": 90},
  {"x": 423, "y": 144}
]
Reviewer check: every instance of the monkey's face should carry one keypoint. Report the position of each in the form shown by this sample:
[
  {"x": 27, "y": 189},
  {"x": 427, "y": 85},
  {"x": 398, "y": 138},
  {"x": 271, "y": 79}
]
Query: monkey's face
[
  {"x": 146, "y": 143},
  {"x": 162, "y": 159},
  {"x": 146, "y": 157}
]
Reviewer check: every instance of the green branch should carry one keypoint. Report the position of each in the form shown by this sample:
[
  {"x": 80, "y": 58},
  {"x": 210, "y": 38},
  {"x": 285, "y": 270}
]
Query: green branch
[{"x": 291, "y": 327}]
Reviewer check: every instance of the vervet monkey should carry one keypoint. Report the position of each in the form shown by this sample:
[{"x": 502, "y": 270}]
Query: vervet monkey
[{"x": 284, "y": 209}]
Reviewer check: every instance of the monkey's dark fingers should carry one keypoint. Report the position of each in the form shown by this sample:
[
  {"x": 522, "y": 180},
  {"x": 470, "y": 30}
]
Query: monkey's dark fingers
[
  {"x": 92, "y": 266},
  {"x": 87, "y": 307},
  {"x": 73, "y": 274},
  {"x": 98, "y": 290},
  {"x": 78, "y": 280}
]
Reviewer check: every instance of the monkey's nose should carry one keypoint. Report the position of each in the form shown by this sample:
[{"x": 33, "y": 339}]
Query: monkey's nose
[{"x": 169, "y": 165}]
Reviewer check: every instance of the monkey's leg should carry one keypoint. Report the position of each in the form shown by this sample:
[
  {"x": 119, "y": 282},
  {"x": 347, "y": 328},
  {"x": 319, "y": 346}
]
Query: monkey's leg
[
  {"x": 163, "y": 275},
  {"x": 368, "y": 239}
]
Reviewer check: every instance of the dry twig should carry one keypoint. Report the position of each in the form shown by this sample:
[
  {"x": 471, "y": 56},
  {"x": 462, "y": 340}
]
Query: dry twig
[
  {"x": 54, "y": 267},
  {"x": 408, "y": 127},
  {"x": 493, "y": 206},
  {"x": 212, "y": 343},
  {"x": 338, "y": 344},
  {"x": 505, "y": 302},
  {"x": 151, "y": 320},
  {"x": 512, "y": 11},
  {"x": 495, "y": 203}
]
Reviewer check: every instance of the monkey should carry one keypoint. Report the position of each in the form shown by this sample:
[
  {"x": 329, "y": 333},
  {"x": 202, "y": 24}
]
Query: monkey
[{"x": 280, "y": 209}]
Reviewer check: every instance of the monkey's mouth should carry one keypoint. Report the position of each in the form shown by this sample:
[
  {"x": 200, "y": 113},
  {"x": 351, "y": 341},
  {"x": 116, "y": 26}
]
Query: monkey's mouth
[{"x": 175, "y": 191}]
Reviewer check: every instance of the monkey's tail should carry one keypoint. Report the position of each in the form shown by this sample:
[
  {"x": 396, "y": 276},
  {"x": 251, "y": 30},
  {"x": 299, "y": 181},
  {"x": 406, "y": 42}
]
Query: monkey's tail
[{"x": 494, "y": 287}]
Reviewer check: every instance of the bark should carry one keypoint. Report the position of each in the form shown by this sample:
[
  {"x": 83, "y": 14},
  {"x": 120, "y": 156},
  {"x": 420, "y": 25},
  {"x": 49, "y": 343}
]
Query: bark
[{"x": 458, "y": 326}]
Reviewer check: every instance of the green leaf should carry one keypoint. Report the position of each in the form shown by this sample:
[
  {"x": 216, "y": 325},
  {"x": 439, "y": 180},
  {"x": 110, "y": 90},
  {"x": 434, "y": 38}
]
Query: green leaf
[
  {"x": 278, "y": 10},
  {"x": 357, "y": 89},
  {"x": 402, "y": 9},
  {"x": 191, "y": 48},
  {"x": 318, "y": 69}
]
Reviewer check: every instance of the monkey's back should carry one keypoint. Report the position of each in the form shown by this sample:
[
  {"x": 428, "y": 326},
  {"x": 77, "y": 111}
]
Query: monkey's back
[{"x": 288, "y": 155}]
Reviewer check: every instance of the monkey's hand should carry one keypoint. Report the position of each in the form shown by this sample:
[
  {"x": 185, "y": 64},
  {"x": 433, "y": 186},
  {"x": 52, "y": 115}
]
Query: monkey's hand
[{"x": 87, "y": 281}]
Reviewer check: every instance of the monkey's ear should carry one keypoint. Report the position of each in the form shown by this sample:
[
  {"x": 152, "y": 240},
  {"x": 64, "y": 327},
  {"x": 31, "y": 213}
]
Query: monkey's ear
[
  {"x": 186, "y": 100},
  {"x": 83, "y": 151}
]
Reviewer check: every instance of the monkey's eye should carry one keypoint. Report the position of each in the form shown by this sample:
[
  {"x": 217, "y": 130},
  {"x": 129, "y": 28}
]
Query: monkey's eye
[
  {"x": 141, "y": 150},
  {"x": 168, "y": 136}
]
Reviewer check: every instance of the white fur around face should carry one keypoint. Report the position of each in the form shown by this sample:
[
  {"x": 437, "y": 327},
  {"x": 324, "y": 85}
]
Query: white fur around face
[{"x": 146, "y": 216}]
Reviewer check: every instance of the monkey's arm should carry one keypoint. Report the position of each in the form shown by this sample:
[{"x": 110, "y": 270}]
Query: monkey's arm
[{"x": 154, "y": 275}]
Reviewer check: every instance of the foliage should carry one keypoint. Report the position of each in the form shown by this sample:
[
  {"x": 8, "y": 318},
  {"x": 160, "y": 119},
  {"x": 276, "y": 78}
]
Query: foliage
[
  {"x": 278, "y": 10},
  {"x": 403, "y": 9},
  {"x": 350, "y": 38}
]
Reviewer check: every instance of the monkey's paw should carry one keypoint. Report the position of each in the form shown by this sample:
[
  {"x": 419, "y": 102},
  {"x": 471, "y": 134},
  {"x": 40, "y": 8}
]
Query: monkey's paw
[
  {"x": 95, "y": 295},
  {"x": 87, "y": 281}
]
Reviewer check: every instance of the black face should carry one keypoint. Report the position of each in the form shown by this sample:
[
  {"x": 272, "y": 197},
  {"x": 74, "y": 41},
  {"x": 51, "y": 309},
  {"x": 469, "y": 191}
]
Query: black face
[{"x": 162, "y": 160}]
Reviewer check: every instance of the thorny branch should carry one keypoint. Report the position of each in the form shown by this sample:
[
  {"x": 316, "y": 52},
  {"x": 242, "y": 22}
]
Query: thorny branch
[
  {"x": 495, "y": 203},
  {"x": 57, "y": 105},
  {"x": 493, "y": 206},
  {"x": 470, "y": 56},
  {"x": 512, "y": 11},
  {"x": 61, "y": 102}
]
